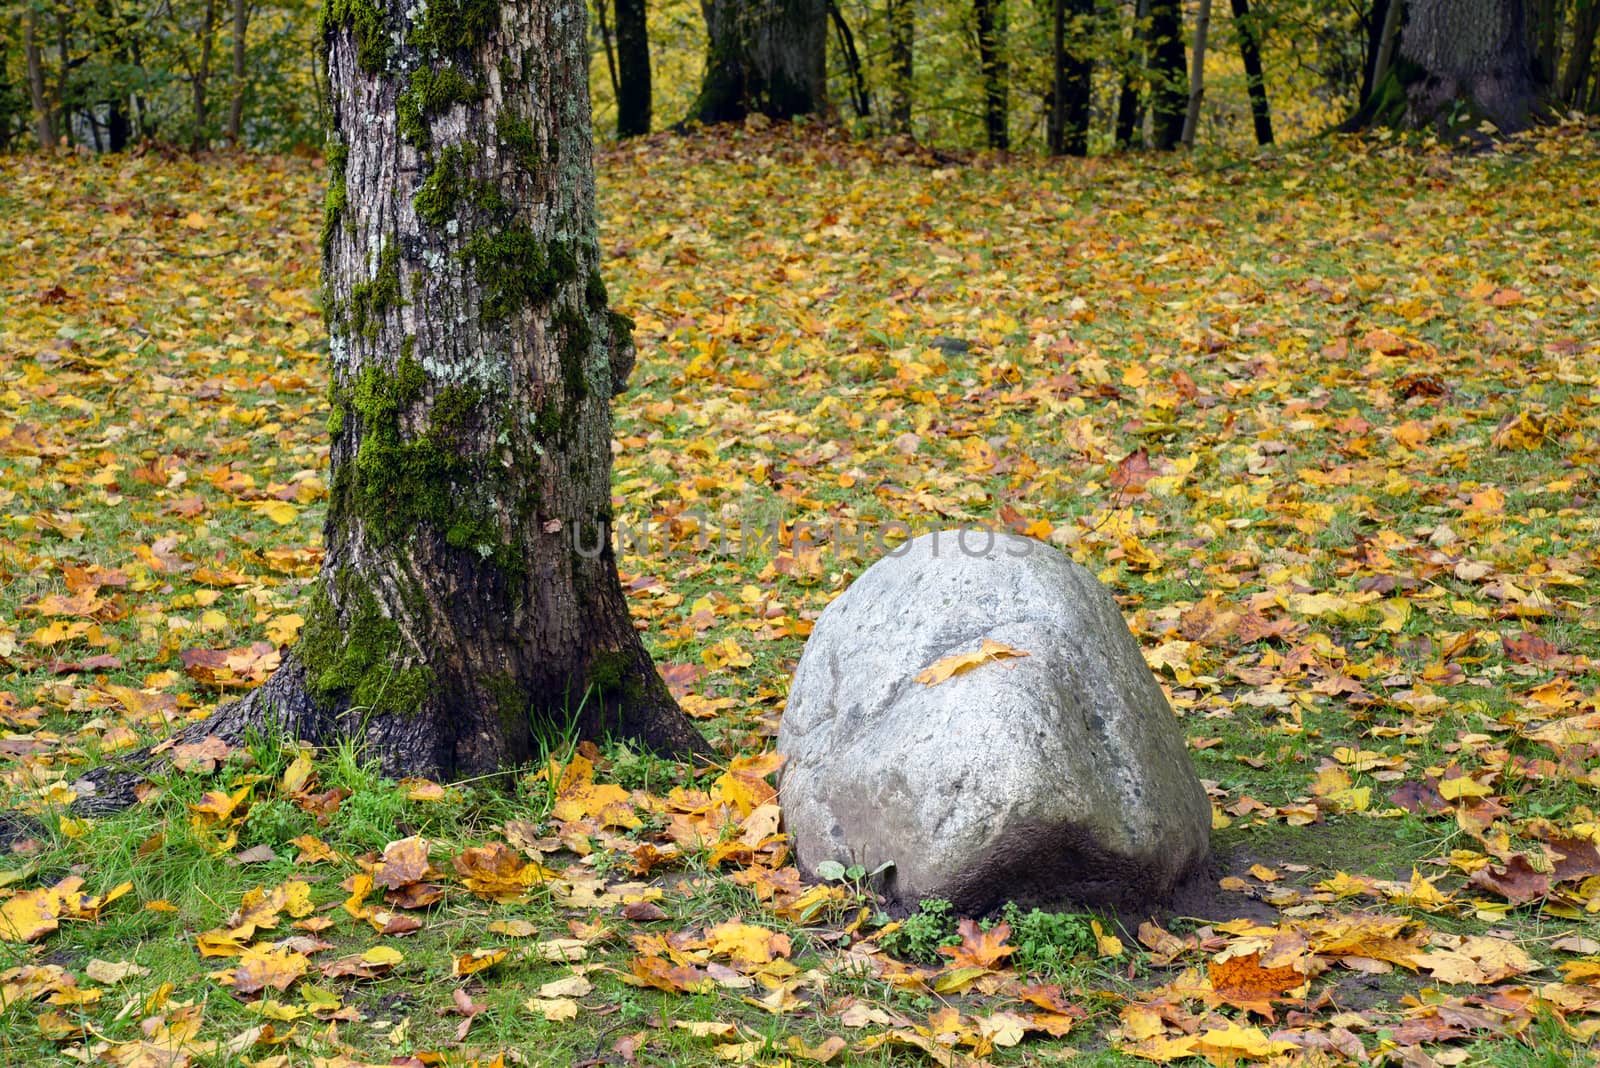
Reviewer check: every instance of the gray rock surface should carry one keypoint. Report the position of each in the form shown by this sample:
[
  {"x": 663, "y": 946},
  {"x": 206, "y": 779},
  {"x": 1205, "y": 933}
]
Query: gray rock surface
[{"x": 1053, "y": 778}]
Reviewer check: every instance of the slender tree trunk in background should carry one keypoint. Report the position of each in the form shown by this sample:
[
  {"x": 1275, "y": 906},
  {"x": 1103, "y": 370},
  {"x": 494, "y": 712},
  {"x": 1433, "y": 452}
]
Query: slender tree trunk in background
[
  {"x": 1544, "y": 38},
  {"x": 609, "y": 48},
  {"x": 902, "y": 42},
  {"x": 1255, "y": 76},
  {"x": 1128, "y": 102},
  {"x": 990, "y": 18},
  {"x": 469, "y": 595},
  {"x": 860, "y": 97},
  {"x": 763, "y": 56},
  {"x": 1056, "y": 124},
  {"x": 1388, "y": 36},
  {"x": 1169, "y": 90},
  {"x": 1472, "y": 51},
  {"x": 1197, "y": 74},
  {"x": 1067, "y": 131},
  {"x": 241, "y": 25},
  {"x": 633, "y": 69},
  {"x": 63, "y": 121},
  {"x": 1585, "y": 27},
  {"x": 202, "y": 75},
  {"x": 1372, "y": 22},
  {"x": 44, "y": 130}
]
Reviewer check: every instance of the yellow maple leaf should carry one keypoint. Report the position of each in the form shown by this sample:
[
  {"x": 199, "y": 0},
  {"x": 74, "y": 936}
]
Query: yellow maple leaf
[{"x": 941, "y": 670}]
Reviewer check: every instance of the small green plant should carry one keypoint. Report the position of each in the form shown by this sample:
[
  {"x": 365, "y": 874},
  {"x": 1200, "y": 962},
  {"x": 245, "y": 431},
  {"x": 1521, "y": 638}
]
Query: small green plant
[
  {"x": 1047, "y": 941},
  {"x": 920, "y": 934},
  {"x": 274, "y": 822}
]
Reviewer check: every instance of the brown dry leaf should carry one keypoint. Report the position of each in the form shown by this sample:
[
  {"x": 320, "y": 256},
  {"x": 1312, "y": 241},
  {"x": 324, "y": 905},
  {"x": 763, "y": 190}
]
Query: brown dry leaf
[
  {"x": 404, "y": 862},
  {"x": 941, "y": 670}
]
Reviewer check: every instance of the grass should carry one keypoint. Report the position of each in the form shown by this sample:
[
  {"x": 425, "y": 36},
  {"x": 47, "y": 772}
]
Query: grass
[{"x": 1255, "y": 327}]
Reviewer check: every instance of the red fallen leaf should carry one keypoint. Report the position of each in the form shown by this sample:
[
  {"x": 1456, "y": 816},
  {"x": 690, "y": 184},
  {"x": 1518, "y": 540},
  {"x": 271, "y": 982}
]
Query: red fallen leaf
[
  {"x": 1528, "y": 648},
  {"x": 404, "y": 862},
  {"x": 102, "y": 662},
  {"x": 1579, "y": 859},
  {"x": 1516, "y": 880},
  {"x": 1421, "y": 384},
  {"x": 979, "y": 948},
  {"x": 1132, "y": 472},
  {"x": 680, "y": 677},
  {"x": 662, "y": 975},
  {"x": 1424, "y": 796},
  {"x": 414, "y": 895},
  {"x": 643, "y": 911},
  {"x": 54, "y": 295}
]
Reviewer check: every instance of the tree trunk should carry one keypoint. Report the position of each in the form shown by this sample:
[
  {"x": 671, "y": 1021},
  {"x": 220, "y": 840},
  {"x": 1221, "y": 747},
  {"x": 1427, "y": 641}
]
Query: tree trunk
[
  {"x": 202, "y": 76},
  {"x": 1544, "y": 37},
  {"x": 1471, "y": 52},
  {"x": 241, "y": 25},
  {"x": 468, "y": 602},
  {"x": 989, "y": 16},
  {"x": 1585, "y": 27},
  {"x": 1169, "y": 88},
  {"x": 43, "y": 125},
  {"x": 633, "y": 68},
  {"x": 902, "y": 40},
  {"x": 1067, "y": 133},
  {"x": 860, "y": 97},
  {"x": 1197, "y": 74},
  {"x": 1372, "y": 21},
  {"x": 766, "y": 57},
  {"x": 1388, "y": 37},
  {"x": 1128, "y": 96},
  {"x": 1255, "y": 76}
]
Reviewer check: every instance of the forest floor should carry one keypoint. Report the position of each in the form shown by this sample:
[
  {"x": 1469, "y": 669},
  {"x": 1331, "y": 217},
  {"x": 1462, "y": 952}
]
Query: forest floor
[{"x": 1327, "y": 420}]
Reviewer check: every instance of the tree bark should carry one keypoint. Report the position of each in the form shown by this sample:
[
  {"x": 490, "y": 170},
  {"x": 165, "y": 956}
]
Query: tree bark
[
  {"x": 1544, "y": 37},
  {"x": 1473, "y": 53},
  {"x": 1129, "y": 104},
  {"x": 43, "y": 125},
  {"x": 241, "y": 25},
  {"x": 468, "y": 602},
  {"x": 1197, "y": 74},
  {"x": 1067, "y": 132},
  {"x": 1372, "y": 22},
  {"x": 860, "y": 97},
  {"x": 1169, "y": 88},
  {"x": 1255, "y": 76},
  {"x": 989, "y": 16},
  {"x": 902, "y": 42},
  {"x": 202, "y": 76},
  {"x": 766, "y": 57},
  {"x": 633, "y": 69},
  {"x": 1585, "y": 27}
]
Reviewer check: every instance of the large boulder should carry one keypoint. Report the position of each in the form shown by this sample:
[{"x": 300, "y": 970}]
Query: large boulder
[{"x": 1056, "y": 777}]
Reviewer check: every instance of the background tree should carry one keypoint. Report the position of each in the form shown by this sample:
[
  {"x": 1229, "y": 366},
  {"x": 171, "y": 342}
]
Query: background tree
[
  {"x": 1469, "y": 53},
  {"x": 767, "y": 57},
  {"x": 902, "y": 49},
  {"x": 1197, "y": 72},
  {"x": 1072, "y": 70},
  {"x": 989, "y": 22},
  {"x": 1169, "y": 84},
  {"x": 633, "y": 68},
  {"x": 458, "y": 611},
  {"x": 1256, "y": 81}
]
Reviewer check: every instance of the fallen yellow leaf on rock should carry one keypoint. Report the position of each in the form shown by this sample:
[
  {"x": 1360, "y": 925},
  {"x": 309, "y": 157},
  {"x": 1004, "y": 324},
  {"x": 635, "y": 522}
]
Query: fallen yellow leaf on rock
[{"x": 941, "y": 670}]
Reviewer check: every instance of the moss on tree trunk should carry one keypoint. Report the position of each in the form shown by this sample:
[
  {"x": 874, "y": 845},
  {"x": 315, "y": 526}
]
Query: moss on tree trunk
[{"x": 462, "y": 608}]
